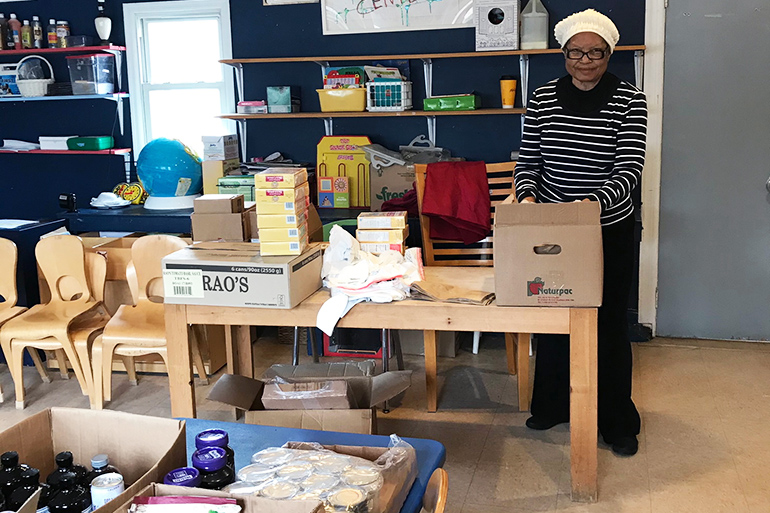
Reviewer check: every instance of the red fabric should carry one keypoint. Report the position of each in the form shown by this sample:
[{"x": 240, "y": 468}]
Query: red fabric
[
  {"x": 457, "y": 201},
  {"x": 408, "y": 202}
]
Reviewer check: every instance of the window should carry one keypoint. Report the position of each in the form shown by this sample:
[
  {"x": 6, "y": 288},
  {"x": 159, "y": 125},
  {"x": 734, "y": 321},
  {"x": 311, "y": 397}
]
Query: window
[{"x": 177, "y": 84}]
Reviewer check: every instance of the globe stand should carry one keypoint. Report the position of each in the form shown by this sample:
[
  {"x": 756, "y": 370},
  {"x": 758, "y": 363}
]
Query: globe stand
[{"x": 170, "y": 203}]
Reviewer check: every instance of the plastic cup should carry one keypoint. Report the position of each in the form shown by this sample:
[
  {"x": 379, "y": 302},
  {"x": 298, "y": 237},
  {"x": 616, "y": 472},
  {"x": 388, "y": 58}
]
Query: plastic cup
[{"x": 507, "y": 91}]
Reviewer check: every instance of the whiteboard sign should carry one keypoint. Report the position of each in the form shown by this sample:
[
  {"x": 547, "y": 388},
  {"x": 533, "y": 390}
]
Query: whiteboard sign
[{"x": 361, "y": 16}]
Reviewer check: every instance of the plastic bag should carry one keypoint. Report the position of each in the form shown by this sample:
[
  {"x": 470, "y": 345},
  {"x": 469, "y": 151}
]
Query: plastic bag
[{"x": 31, "y": 70}]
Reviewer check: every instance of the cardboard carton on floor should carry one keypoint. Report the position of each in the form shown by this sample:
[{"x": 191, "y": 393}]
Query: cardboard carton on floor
[
  {"x": 144, "y": 448},
  {"x": 236, "y": 274},
  {"x": 248, "y": 503},
  {"x": 548, "y": 254}
]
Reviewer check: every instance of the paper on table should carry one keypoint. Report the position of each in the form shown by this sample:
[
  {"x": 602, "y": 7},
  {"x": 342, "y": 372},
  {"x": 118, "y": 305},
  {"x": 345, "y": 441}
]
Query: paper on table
[
  {"x": 10, "y": 224},
  {"x": 333, "y": 310}
]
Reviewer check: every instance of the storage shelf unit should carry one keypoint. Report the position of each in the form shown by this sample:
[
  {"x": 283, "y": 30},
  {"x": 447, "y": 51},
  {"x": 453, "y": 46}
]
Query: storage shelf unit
[
  {"x": 427, "y": 61},
  {"x": 114, "y": 151},
  {"x": 71, "y": 49},
  {"x": 117, "y": 97}
]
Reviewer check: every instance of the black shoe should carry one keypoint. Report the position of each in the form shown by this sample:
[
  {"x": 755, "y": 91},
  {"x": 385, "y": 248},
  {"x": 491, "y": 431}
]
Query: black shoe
[
  {"x": 541, "y": 423},
  {"x": 625, "y": 445}
]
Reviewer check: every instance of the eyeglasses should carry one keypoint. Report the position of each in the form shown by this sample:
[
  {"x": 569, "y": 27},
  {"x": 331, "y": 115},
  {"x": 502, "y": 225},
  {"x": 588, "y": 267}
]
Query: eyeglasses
[{"x": 594, "y": 54}]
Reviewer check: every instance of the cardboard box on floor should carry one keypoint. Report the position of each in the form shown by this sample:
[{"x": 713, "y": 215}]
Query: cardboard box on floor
[
  {"x": 548, "y": 254},
  {"x": 363, "y": 392},
  {"x": 248, "y": 503},
  {"x": 144, "y": 448}
]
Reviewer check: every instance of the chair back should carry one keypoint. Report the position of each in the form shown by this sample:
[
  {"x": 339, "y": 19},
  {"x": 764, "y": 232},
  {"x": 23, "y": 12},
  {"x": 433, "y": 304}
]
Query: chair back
[
  {"x": 8, "y": 261},
  {"x": 62, "y": 260},
  {"x": 455, "y": 253},
  {"x": 96, "y": 273},
  {"x": 146, "y": 255},
  {"x": 434, "y": 499}
]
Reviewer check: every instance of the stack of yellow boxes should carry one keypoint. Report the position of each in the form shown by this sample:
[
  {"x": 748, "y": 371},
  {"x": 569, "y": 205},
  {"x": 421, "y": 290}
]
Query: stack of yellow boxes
[
  {"x": 282, "y": 196},
  {"x": 381, "y": 231}
]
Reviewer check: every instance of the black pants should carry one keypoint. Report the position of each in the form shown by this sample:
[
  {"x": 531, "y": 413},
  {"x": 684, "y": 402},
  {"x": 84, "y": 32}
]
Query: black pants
[{"x": 617, "y": 413}]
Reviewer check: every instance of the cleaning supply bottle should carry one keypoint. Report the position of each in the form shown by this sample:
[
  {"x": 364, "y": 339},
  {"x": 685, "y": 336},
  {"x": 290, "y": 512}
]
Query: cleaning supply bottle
[
  {"x": 65, "y": 465},
  {"x": 53, "y": 40},
  {"x": 30, "y": 482},
  {"x": 3, "y": 31},
  {"x": 26, "y": 35},
  {"x": 10, "y": 474},
  {"x": 72, "y": 498},
  {"x": 14, "y": 27},
  {"x": 37, "y": 32},
  {"x": 100, "y": 465},
  {"x": 534, "y": 26}
]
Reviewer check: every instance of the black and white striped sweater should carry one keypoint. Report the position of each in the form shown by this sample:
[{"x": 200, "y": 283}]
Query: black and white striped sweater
[{"x": 584, "y": 144}]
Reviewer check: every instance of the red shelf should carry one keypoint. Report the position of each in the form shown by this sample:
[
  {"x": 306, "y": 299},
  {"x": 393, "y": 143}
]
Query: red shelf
[
  {"x": 114, "y": 151},
  {"x": 71, "y": 49}
]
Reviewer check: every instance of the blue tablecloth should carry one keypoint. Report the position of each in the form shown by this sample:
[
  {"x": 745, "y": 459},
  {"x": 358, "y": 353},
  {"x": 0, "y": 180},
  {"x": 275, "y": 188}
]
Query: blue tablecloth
[{"x": 247, "y": 439}]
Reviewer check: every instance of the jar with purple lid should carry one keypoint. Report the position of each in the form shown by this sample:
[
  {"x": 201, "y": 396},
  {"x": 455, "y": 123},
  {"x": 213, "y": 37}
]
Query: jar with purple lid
[
  {"x": 185, "y": 476},
  {"x": 216, "y": 438},
  {"x": 211, "y": 462}
]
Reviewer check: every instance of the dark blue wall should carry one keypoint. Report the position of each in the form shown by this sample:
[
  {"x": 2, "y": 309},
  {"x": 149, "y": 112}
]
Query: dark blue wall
[{"x": 30, "y": 184}]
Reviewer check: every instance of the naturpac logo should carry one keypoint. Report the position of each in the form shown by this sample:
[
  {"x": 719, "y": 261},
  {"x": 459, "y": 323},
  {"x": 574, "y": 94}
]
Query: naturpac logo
[{"x": 537, "y": 287}]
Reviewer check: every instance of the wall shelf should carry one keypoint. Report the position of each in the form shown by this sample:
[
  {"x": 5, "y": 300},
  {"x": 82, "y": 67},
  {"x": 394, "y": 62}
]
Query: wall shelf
[
  {"x": 405, "y": 113},
  {"x": 71, "y": 49},
  {"x": 114, "y": 151},
  {"x": 114, "y": 97}
]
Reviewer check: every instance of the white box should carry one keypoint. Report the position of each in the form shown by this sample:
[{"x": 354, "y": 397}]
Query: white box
[
  {"x": 54, "y": 142},
  {"x": 220, "y": 147},
  {"x": 235, "y": 274}
]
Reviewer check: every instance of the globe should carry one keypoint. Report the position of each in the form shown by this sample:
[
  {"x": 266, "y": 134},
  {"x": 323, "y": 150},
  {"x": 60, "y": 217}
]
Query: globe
[{"x": 170, "y": 172}]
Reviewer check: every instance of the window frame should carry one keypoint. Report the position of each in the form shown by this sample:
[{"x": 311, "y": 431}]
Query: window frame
[{"x": 134, "y": 15}]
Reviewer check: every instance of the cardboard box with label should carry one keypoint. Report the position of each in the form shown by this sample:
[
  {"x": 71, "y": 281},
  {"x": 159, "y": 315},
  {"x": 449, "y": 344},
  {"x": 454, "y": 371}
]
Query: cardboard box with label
[
  {"x": 236, "y": 185},
  {"x": 144, "y": 448},
  {"x": 389, "y": 183},
  {"x": 382, "y": 220},
  {"x": 227, "y": 227},
  {"x": 236, "y": 274},
  {"x": 280, "y": 178},
  {"x": 213, "y": 170},
  {"x": 283, "y": 234},
  {"x": 293, "y": 195},
  {"x": 548, "y": 254},
  {"x": 284, "y": 248},
  {"x": 281, "y": 220},
  {"x": 220, "y": 147},
  {"x": 219, "y": 204}
]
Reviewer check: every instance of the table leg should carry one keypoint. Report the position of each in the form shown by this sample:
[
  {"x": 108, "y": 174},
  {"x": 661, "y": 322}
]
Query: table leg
[
  {"x": 431, "y": 369},
  {"x": 230, "y": 350},
  {"x": 180, "y": 374},
  {"x": 522, "y": 364},
  {"x": 583, "y": 403},
  {"x": 242, "y": 335}
]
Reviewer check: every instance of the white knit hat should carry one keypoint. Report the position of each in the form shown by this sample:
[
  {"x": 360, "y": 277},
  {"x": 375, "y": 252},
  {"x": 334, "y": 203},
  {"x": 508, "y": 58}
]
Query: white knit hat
[{"x": 587, "y": 21}]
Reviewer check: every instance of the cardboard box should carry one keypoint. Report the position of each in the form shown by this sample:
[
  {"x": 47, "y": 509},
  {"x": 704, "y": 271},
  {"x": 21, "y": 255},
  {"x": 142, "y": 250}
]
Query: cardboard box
[
  {"x": 280, "y": 178},
  {"x": 390, "y": 182},
  {"x": 376, "y": 248},
  {"x": 144, "y": 448},
  {"x": 253, "y": 234},
  {"x": 293, "y": 195},
  {"x": 233, "y": 274},
  {"x": 220, "y": 147},
  {"x": 317, "y": 395},
  {"x": 282, "y": 99},
  {"x": 321, "y": 370},
  {"x": 283, "y": 248},
  {"x": 397, "y": 236},
  {"x": 236, "y": 185},
  {"x": 228, "y": 227},
  {"x": 548, "y": 254},
  {"x": 283, "y": 234},
  {"x": 381, "y": 220},
  {"x": 281, "y": 220},
  {"x": 248, "y": 503},
  {"x": 213, "y": 170},
  {"x": 315, "y": 228},
  {"x": 218, "y": 204}
]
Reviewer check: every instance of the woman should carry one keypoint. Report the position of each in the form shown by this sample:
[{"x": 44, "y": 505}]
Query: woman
[{"x": 584, "y": 139}]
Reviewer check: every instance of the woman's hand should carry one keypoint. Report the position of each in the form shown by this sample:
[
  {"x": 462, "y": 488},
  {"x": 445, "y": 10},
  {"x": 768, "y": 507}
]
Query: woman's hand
[{"x": 528, "y": 199}]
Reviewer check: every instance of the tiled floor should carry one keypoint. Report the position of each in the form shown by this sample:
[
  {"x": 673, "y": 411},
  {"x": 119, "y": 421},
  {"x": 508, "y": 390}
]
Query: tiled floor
[{"x": 704, "y": 447}]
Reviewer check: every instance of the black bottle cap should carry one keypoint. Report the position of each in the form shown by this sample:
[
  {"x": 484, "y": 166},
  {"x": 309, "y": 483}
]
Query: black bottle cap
[
  {"x": 67, "y": 480},
  {"x": 30, "y": 477},
  {"x": 64, "y": 459},
  {"x": 10, "y": 459}
]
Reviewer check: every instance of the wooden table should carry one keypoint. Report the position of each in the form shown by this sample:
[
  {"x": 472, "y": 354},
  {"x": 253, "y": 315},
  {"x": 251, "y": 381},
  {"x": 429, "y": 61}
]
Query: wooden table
[{"x": 579, "y": 323}]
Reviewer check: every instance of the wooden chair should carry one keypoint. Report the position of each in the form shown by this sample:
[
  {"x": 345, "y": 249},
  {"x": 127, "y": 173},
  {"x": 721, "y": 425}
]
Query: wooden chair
[
  {"x": 9, "y": 294},
  {"x": 434, "y": 498},
  {"x": 138, "y": 329},
  {"x": 72, "y": 313},
  {"x": 455, "y": 253}
]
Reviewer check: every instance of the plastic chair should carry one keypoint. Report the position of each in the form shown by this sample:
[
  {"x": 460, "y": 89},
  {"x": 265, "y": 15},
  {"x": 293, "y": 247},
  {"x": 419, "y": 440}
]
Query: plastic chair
[
  {"x": 138, "y": 329},
  {"x": 455, "y": 253},
  {"x": 434, "y": 498},
  {"x": 69, "y": 315},
  {"x": 9, "y": 294}
]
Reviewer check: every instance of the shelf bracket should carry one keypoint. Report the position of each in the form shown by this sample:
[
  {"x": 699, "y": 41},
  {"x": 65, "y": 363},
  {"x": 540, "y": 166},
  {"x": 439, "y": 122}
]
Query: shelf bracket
[
  {"x": 119, "y": 104},
  {"x": 323, "y": 65},
  {"x": 118, "y": 66},
  {"x": 431, "y": 128},
  {"x": 639, "y": 68},
  {"x": 328, "y": 126},
  {"x": 238, "y": 68},
  {"x": 127, "y": 166},
  {"x": 242, "y": 136},
  {"x": 427, "y": 66},
  {"x": 524, "y": 78}
]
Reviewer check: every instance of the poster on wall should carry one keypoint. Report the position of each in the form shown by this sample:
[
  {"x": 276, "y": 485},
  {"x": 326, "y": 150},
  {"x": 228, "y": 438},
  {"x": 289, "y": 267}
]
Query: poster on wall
[{"x": 363, "y": 16}]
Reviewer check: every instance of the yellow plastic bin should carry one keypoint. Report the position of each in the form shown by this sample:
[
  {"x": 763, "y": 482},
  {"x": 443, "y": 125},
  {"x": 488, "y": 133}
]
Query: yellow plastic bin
[{"x": 342, "y": 100}]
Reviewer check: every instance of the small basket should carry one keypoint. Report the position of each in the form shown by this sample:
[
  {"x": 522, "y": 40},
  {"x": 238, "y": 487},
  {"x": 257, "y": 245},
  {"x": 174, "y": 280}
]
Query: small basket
[
  {"x": 37, "y": 86},
  {"x": 388, "y": 96},
  {"x": 342, "y": 100}
]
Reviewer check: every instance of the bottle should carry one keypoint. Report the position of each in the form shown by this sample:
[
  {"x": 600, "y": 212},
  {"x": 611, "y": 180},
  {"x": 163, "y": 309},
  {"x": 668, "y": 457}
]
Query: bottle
[
  {"x": 71, "y": 498},
  {"x": 37, "y": 33},
  {"x": 14, "y": 27},
  {"x": 3, "y": 31},
  {"x": 211, "y": 462},
  {"x": 62, "y": 31},
  {"x": 185, "y": 476},
  {"x": 53, "y": 41},
  {"x": 10, "y": 475},
  {"x": 100, "y": 464},
  {"x": 26, "y": 35},
  {"x": 216, "y": 438},
  {"x": 534, "y": 26},
  {"x": 64, "y": 462},
  {"x": 30, "y": 482}
]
